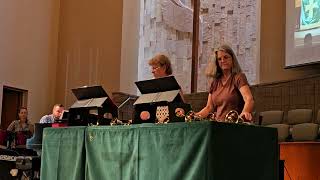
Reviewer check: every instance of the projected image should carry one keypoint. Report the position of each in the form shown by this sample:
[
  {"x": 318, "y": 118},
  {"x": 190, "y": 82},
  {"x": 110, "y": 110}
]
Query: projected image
[
  {"x": 302, "y": 32},
  {"x": 310, "y": 14},
  {"x": 307, "y": 27}
]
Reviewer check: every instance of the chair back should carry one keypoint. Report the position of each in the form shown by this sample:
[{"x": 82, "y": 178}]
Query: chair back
[
  {"x": 271, "y": 117},
  {"x": 298, "y": 116},
  {"x": 318, "y": 117},
  {"x": 20, "y": 138},
  {"x": 3, "y": 137}
]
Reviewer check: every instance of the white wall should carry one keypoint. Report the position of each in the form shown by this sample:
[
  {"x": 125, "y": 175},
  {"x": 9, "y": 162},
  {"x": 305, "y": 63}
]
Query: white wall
[{"x": 28, "y": 51}]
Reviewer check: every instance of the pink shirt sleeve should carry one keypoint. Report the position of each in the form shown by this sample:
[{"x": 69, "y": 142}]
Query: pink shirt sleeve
[{"x": 241, "y": 80}]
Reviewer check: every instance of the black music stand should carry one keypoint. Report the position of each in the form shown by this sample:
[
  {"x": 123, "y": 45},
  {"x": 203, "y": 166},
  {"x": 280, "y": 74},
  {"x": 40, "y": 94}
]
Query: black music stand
[
  {"x": 159, "y": 92},
  {"x": 93, "y": 105}
]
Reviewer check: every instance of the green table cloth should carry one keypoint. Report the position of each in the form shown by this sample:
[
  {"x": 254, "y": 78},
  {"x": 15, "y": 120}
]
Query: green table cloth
[
  {"x": 188, "y": 151},
  {"x": 63, "y": 153}
]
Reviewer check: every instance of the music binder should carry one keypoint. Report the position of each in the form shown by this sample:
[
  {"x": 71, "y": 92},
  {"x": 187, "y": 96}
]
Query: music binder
[
  {"x": 158, "y": 92},
  {"x": 165, "y": 89},
  {"x": 92, "y": 96},
  {"x": 92, "y": 102},
  {"x": 168, "y": 96},
  {"x": 163, "y": 84}
]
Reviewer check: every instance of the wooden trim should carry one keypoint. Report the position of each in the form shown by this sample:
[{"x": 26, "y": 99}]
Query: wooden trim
[
  {"x": 286, "y": 81},
  {"x": 301, "y": 160},
  {"x": 195, "y": 44}
]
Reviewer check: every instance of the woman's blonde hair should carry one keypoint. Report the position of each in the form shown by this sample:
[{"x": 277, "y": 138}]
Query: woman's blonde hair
[{"x": 211, "y": 66}]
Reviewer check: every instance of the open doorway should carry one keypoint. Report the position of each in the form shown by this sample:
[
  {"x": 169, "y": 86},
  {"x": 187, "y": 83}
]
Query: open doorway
[{"x": 12, "y": 100}]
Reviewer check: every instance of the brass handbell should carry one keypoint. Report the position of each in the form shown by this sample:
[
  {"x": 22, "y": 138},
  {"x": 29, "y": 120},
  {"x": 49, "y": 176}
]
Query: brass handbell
[
  {"x": 180, "y": 112},
  {"x": 234, "y": 117},
  {"x": 116, "y": 121},
  {"x": 191, "y": 116},
  {"x": 211, "y": 117},
  {"x": 163, "y": 120}
]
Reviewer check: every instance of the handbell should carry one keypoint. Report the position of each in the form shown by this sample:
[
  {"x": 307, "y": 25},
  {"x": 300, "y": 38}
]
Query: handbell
[
  {"x": 115, "y": 121},
  {"x": 180, "y": 112},
  {"x": 234, "y": 117},
  {"x": 211, "y": 117},
  {"x": 163, "y": 120},
  {"x": 191, "y": 116}
]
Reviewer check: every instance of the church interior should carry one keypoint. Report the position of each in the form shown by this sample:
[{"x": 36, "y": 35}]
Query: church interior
[{"x": 91, "y": 60}]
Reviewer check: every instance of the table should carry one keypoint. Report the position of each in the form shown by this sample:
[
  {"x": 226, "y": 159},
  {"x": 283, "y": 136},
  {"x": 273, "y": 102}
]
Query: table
[
  {"x": 196, "y": 150},
  {"x": 63, "y": 153}
]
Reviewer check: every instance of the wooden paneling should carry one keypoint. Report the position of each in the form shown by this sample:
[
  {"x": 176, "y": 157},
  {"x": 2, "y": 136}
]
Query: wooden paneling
[
  {"x": 296, "y": 94},
  {"x": 301, "y": 160},
  {"x": 89, "y": 46}
]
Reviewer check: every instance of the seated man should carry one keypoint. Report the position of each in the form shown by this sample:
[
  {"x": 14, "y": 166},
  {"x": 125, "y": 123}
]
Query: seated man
[{"x": 56, "y": 114}]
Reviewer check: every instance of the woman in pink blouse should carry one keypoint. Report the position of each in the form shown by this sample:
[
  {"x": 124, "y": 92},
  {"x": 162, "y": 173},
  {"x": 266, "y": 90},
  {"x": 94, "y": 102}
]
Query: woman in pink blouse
[{"x": 229, "y": 89}]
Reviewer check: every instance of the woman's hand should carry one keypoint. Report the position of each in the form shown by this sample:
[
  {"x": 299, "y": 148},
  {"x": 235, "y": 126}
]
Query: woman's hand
[{"x": 246, "y": 115}]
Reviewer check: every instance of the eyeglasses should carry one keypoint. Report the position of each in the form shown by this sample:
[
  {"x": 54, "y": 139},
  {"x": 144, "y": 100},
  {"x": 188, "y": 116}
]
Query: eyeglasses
[
  {"x": 225, "y": 57},
  {"x": 155, "y": 68}
]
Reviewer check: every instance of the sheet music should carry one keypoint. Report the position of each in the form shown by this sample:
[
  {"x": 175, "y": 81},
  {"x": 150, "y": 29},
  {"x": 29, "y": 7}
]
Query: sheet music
[
  {"x": 168, "y": 95},
  {"x": 93, "y": 102},
  {"x": 97, "y": 102},
  {"x": 81, "y": 103},
  {"x": 146, "y": 98}
]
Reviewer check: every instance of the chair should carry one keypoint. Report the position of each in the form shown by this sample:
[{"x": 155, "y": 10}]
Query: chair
[
  {"x": 3, "y": 139},
  {"x": 271, "y": 117},
  {"x": 302, "y": 127},
  {"x": 274, "y": 119},
  {"x": 298, "y": 116},
  {"x": 318, "y": 117},
  {"x": 318, "y": 122}
]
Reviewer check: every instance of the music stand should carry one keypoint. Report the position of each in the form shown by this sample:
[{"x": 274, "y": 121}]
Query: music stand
[
  {"x": 91, "y": 106},
  {"x": 158, "y": 92}
]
